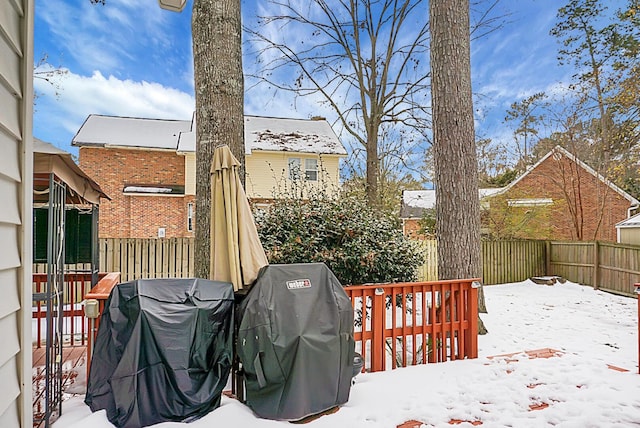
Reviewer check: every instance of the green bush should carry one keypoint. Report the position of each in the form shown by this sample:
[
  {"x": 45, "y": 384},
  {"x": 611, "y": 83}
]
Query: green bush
[{"x": 359, "y": 244}]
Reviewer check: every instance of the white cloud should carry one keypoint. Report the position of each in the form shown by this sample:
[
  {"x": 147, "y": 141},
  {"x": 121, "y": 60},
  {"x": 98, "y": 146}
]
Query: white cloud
[{"x": 80, "y": 96}]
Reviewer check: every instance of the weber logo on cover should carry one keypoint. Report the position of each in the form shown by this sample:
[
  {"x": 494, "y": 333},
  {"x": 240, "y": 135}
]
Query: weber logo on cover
[{"x": 297, "y": 284}]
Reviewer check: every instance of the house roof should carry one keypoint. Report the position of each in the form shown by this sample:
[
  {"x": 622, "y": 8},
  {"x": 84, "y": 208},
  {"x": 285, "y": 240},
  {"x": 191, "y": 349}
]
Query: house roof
[
  {"x": 414, "y": 202},
  {"x": 115, "y": 131},
  {"x": 260, "y": 133},
  {"x": 631, "y": 222},
  {"x": 571, "y": 156}
]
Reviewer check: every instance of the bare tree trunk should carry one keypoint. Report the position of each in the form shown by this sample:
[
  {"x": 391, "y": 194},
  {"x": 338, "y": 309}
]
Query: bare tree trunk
[
  {"x": 456, "y": 176},
  {"x": 373, "y": 168},
  {"x": 219, "y": 90}
]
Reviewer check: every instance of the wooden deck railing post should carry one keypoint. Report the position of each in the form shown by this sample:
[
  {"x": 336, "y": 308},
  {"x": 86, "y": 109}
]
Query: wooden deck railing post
[
  {"x": 472, "y": 335},
  {"x": 100, "y": 293},
  {"x": 377, "y": 330}
]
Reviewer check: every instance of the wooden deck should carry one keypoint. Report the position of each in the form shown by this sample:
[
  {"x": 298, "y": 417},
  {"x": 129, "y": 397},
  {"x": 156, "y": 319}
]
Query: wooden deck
[{"x": 74, "y": 374}]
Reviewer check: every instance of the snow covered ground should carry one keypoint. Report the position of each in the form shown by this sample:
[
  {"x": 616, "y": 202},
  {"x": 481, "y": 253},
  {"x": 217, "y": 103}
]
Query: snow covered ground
[{"x": 592, "y": 329}]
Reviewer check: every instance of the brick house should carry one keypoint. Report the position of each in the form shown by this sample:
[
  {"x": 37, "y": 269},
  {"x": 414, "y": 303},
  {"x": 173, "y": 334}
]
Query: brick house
[
  {"x": 560, "y": 198},
  {"x": 580, "y": 203},
  {"x": 147, "y": 166},
  {"x": 415, "y": 202}
]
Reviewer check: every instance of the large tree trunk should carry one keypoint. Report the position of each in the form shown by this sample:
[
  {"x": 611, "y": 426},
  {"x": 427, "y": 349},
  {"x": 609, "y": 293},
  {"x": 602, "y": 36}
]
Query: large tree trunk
[
  {"x": 219, "y": 90},
  {"x": 456, "y": 164}
]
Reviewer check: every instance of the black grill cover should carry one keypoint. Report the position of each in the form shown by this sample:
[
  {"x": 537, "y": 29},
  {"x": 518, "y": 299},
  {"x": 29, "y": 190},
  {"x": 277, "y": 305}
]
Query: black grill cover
[
  {"x": 295, "y": 341},
  {"x": 163, "y": 351}
]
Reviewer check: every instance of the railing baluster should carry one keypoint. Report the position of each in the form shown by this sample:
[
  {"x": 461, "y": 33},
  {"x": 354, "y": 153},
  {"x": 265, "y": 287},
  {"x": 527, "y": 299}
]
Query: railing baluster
[{"x": 447, "y": 324}]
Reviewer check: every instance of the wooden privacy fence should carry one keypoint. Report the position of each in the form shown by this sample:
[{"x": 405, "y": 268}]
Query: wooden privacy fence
[
  {"x": 403, "y": 324},
  {"x": 602, "y": 265},
  {"x": 148, "y": 258},
  {"x": 503, "y": 261},
  {"x": 613, "y": 267}
]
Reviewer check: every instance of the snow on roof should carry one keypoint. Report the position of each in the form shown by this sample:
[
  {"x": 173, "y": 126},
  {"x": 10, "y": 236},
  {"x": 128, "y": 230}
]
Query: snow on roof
[
  {"x": 291, "y": 135},
  {"x": 116, "y": 131},
  {"x": 633, "y": 221},
  {"x": 260, "y": 133},
  {"x": 414, "y": 202}
]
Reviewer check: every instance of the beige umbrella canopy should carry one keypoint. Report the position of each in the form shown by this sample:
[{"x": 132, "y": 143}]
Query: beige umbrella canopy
[{"x": 236, "y": 252}]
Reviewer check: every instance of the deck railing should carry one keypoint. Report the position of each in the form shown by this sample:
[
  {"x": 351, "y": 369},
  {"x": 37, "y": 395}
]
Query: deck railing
[
  {"x": 76, "y": 285},
  {"x": 396, "y": 325},
  {"x": 100, "y": 293},
  {"x": 403, "y": 324}
]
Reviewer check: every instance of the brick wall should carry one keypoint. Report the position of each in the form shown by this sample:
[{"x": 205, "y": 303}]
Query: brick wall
[
  {"x": 597, "y": 205},
  {"x": 135, "y": 216}
]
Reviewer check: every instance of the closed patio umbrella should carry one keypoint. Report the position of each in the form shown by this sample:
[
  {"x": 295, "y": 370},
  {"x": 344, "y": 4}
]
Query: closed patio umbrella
[{"x": 236, "y": 252}]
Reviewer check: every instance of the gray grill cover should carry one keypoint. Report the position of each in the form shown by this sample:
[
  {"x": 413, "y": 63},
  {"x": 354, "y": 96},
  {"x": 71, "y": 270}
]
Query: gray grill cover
[
  {"x": 163, "y": 351},
  {"x": 295, "y": 341}
]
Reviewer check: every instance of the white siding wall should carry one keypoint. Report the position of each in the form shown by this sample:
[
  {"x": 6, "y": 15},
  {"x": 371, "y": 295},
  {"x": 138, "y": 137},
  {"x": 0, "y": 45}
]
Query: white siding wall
[
  {"x": 268, "y": 172},
  {"x": 190, "y": 174},
  {"x": 16, "y": 169}
]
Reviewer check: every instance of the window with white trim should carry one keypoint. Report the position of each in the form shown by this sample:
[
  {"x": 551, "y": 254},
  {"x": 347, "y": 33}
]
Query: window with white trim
[
  {"x": 311, "y": 169},
  {"x": 190, "y": 217}
]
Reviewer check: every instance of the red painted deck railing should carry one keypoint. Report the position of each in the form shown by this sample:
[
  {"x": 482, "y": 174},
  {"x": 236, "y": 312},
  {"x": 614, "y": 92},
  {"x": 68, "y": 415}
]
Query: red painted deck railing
[
  {"x": 396, "y": 325},
  {"x": 76, "y": 285},
  {"x": 405, "y": 324},
  {"x": 636, "y": 286},
  {"x": 100, "y": 293}
]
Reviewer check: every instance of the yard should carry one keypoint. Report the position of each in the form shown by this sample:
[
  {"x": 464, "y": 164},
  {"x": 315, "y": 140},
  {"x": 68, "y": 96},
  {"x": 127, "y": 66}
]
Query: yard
[{"x": 595, "y": 334}]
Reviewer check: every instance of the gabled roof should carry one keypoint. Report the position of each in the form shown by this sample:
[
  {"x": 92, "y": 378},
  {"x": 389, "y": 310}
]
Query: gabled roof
[
  {"x": 260, "y": 133},
  {"x": 414, "y": 202},
  {"x": 562, "y": 151},
  {"x": 633, "y": 221}
]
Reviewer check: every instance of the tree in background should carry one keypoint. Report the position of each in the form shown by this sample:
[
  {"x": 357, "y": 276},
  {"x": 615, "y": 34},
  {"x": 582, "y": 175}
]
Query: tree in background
[
  {"x": 526, "y": 118},
  {"x": 584, "y": 45},
  {"x": 364, "y": 61}
]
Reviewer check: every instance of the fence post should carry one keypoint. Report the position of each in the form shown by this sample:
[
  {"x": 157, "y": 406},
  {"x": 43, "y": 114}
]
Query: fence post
[
  {"x": 472, "y": 334},
  {"x": 547, "y": 258},
  {"x": 596, "y": 262},
  {"x": 377, "y": 330}
]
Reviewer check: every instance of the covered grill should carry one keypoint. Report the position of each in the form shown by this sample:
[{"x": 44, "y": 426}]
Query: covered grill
[
  {"x": 295, "y": 341},
  {"x": 163, "y": 351}
]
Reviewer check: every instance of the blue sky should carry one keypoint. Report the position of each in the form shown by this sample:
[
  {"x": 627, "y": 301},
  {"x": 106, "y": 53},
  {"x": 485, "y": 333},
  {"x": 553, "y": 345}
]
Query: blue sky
[{"x": 130, "y": 58}]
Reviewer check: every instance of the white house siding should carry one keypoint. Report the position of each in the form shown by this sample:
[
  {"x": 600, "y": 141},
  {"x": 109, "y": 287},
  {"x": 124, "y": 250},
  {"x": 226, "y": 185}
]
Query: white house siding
[
  {"x": 16, "y": 169},
  {"x": 267, "y": 173}
]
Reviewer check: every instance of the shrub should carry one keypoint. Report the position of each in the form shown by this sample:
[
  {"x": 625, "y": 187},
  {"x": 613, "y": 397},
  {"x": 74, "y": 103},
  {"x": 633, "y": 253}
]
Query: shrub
[{"x": 359, "y": 244}]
